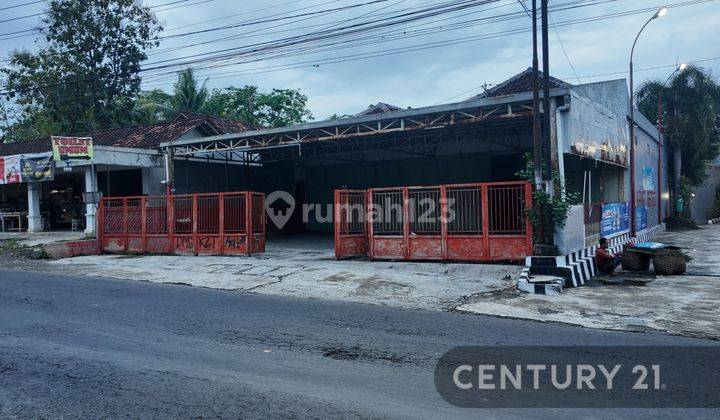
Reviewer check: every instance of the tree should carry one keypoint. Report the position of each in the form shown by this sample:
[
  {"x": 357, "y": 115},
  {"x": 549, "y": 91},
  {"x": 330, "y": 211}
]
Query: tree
[
  {"x": 691, "y": 110},
  {"x": 86, "y": 73},
  {"x": 278, "y": 108},
  {"x": 157, "y": 105}
]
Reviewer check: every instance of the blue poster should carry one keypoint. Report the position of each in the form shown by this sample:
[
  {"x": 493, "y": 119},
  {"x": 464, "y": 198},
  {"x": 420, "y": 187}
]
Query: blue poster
[
  {"x": 640, "y": 218},
  {"x": 615, "y": 218},
  {"x": 648, "y": 178}
]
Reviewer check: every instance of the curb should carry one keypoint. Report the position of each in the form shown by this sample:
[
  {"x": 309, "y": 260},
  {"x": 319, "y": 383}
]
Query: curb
[{"x": 577, "y": 268}]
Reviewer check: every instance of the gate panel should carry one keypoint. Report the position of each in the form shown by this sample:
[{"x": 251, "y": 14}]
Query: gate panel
[
  {"x": 425, "y": 223},
  {"x": 350, "y": 223},
  {"x": 461, "y": 222},
  {"x": 465, "y": 239},
  {"x": 257, "y": 221},
  {"x": 213, "y": 224},
  {"x": 388, "y": 232}
]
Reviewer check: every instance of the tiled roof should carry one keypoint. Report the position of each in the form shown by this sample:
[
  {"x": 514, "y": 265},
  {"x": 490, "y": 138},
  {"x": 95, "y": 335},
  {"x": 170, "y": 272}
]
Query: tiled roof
[
  {"x": 520, "y": 83},
  {"x": 139, "y": 136},
  {"x": 379, "y": 108}
]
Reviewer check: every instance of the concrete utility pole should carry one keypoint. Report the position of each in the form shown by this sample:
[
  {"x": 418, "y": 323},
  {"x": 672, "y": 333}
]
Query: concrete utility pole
[{"x": 537, "y": 141}]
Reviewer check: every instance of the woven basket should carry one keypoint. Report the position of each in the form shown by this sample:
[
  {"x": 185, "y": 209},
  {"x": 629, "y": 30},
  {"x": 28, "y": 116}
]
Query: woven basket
[
  {"x": 635, "y": 261},
  {"x": 669, "y": 262}
]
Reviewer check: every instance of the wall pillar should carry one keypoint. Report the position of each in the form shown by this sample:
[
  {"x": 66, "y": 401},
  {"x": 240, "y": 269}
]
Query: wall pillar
[
  {"x": 90, "y": 186},
  {"x": 34, "y": 218}
]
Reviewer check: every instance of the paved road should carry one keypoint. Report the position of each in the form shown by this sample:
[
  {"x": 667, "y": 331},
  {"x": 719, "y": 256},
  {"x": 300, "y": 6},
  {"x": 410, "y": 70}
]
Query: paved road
[{"x": 86, "y": 347}]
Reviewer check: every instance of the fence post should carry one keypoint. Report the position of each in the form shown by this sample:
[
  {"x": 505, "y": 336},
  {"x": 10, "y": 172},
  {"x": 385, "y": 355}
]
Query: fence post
[
  {"x": 125, "y": 225},
  {"x": 170, "y": 220},
  {"x": 143, "y": 227},
  {"x": 248, "y": 222},
  {"x": 406, "y": 223},
  {"x": 485, "y": 220},
  {"x": 528, "y": 222},
  {"x": 100, "y": 224},
  {"x": 221, "y": 221},
  {"x": 443, "y": 222},
  {"x": 194, "y": 215},
  {"x": 369, "y": 220},
  {"x": 336, "y": 222}
]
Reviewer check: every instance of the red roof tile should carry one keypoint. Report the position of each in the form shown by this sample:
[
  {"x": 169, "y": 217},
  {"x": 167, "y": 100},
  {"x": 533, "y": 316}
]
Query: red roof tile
[{"x": 139, "y": 136}]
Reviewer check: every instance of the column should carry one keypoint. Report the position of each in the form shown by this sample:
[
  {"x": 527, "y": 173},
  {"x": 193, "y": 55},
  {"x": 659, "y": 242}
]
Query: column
[
  {"x": 34, "y": 218},
  {"x": 90, "y": 186}
]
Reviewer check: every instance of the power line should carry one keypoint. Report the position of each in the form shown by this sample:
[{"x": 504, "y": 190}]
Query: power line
[
  {"x": 398, "y": 50},
  {"x": 21, "y": 5}
]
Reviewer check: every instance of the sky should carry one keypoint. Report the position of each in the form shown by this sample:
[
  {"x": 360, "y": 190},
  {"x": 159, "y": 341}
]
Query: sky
[{"x": 451, "y": 56}]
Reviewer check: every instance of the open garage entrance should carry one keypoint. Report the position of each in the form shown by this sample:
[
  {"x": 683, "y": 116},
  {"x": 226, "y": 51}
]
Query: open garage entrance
[{"x": 299, "y": 168}]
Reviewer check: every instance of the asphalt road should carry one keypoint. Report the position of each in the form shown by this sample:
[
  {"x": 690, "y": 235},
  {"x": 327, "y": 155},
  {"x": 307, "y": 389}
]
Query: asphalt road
[{"x": 87, "y": 347}]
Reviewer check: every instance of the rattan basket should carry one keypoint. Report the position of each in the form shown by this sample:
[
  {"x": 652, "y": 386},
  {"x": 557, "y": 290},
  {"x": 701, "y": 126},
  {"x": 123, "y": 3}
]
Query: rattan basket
[
  {"x": 669, "y": 262},
  {"x": 635, "y": 261}
]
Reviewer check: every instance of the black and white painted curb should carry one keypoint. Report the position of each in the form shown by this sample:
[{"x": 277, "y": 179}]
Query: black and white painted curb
[
  {"x": 714, "y": 221},
  {"x": 552, "y": 287},
  {"x": 578, "y": 267}
]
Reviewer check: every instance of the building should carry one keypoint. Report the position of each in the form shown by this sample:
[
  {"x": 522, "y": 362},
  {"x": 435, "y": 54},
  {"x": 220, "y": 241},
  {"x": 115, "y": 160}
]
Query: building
[
  {"x": 483, "y": 139},
  {"x": 127, "y": 161}
]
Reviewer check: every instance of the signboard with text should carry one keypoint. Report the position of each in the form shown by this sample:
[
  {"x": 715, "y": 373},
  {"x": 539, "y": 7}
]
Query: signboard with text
[
  {"x": 72, "y": 148},
  {"x": 615, "y": 218},
  {"x": 9, "y": 169},
  {"x": 37, "y": 168}
]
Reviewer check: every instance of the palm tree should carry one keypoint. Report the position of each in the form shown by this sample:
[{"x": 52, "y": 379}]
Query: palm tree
[
  {"x": 691, "y": 111},
  {"x": 188, "y": 95}
]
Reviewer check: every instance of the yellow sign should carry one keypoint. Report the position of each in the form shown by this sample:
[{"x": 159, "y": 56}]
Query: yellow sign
[{"x": 72, "y": 148}]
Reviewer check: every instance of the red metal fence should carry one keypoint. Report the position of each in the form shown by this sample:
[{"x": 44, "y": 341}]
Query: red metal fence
[
  {"x": 216, "y": 223},
  {"x": 462, "y": 222}
]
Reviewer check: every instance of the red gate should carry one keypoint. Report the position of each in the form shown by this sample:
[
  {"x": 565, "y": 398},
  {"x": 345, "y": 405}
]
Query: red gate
[
  {"x": 461, "y": 222},
  {"x": 215, "y": 223}
]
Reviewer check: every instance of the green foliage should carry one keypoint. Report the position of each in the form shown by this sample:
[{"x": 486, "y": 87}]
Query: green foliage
[
  {"x": 559, "y": 203},
  {"x": 86, "y": 73},
  {"x": 278, "y": 108},
  {"x": 691, "y": 107},
  {"x": 338, "y": 117}
]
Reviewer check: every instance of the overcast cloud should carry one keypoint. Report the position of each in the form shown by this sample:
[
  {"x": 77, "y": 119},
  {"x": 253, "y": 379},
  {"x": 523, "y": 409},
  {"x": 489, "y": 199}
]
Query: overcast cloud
[{"x": 425, "y": 77}]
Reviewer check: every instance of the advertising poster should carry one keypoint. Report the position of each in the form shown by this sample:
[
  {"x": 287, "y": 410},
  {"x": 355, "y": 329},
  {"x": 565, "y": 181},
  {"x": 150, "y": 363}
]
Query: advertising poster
[
  {"x": 648, "y": 179},
  {"x": 10, "y": 166},
  {"x": 35, "y": 169},
  {"x": 72, "y": 148},
  {"x": 615, "y": 218},
  {"x": 641, "y": 218}
]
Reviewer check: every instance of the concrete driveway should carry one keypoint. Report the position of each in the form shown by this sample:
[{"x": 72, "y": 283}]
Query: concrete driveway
[
  {"x": 297, "y": 269},
  {"x": 683, "y": 305}
]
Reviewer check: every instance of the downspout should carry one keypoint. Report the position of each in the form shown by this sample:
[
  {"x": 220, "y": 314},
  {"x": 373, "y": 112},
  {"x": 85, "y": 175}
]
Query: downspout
[{"x": 561, "y": 142}]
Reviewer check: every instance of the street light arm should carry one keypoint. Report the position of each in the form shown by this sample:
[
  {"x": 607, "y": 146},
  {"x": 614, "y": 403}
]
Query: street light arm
[{"x": 632, "y": 51}]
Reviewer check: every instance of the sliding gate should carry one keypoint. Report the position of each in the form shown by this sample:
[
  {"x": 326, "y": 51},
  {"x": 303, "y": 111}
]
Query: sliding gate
[
  {"x": 461, "y": 222},
  {"x": 216, "y": 223}
]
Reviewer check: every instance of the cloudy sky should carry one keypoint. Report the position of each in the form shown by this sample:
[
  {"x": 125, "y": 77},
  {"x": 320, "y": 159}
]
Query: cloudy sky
[{"x": 446, "y": 57}]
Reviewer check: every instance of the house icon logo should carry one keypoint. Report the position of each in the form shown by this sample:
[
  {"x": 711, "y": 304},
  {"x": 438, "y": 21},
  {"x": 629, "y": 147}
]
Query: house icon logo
[{"x": 279, "y": 206}]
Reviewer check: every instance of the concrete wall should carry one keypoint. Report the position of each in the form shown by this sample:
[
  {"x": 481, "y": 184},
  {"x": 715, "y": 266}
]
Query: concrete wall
[{"x": 705, "y": 194}]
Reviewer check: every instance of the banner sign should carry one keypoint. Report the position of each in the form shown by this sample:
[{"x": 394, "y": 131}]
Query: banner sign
[
  {"x": 615, "y": 218},
  {"x": 9, "y": 169},
  {"x": 641, "y": 219},
  {"x": 72, "y": 148},
  {"x": 35, "y": 169},
  {"x": 648, "y": 178}
]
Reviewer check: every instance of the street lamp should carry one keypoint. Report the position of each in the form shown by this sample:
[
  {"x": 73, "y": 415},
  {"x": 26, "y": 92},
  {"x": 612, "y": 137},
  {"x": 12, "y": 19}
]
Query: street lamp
[
  {"x": 661, "y": 132},
  {"x": 660, "y": 13}
]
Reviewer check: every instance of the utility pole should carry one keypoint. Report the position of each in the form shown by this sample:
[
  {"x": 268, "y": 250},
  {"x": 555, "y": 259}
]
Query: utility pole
[
  {"x": 537, "y": 141},
  {"x": 546, "y": 97}
]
